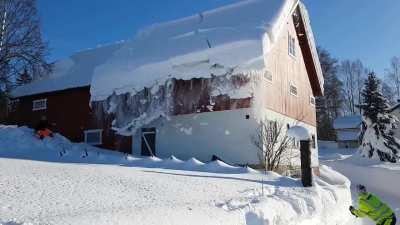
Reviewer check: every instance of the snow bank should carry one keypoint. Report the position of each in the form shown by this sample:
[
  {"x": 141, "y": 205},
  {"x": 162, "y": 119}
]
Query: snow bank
[
  {"x": 380, "y": 178},
  {"x": 151, "y": 191},
  {"x": 362, "y": 169},
  {"x": 325, "y": 203},
  {"x": 20, "y": 142}
]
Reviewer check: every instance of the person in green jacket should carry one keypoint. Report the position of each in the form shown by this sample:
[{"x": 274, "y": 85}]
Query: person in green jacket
[{"x": 372, "y": 207}]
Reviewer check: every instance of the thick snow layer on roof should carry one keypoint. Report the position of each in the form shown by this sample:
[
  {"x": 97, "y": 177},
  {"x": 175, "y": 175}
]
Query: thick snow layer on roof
[
  {"x": 231, "y": 39},
  {"x": 347, "y": 122},
  {"x": 75, "y": 71}
]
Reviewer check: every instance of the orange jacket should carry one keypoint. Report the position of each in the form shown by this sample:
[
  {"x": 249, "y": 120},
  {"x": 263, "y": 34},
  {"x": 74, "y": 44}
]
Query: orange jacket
[{"x": 44, "y": 133}]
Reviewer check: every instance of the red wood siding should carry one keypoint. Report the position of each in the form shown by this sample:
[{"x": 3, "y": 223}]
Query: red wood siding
[{"x": 69, "y": 114}]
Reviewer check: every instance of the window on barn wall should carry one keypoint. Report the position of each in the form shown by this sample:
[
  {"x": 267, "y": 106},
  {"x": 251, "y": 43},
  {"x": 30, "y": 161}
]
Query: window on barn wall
[
  {"x": 94, "y": 137},
  {"x": 313, "y": 145},
  {"x": 292, "y": 45},
  {"x": 39, "y": 104},
  {"x": 312, "y": 100},
  {"x": 268, "y": 76},
  {"x": 292, "y": 89},
  {"x": 12, "y": 105}
]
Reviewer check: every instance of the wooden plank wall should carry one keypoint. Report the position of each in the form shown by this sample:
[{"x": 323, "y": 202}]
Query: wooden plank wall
[{"x": 286, "y": 69}]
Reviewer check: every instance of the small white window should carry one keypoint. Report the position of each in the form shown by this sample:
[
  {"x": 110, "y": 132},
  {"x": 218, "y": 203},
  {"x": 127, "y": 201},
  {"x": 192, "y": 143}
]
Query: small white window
[
  {"x": 293, "y": 89},
  {"x": 94, "y": 137},
  {"x": 312, "y": 100},
  {"x": 292, "y": 45},
  {"x": 12, "y": 105},
  {"x": 268, "y": 76},
  {"x": 39, "y": 104}
]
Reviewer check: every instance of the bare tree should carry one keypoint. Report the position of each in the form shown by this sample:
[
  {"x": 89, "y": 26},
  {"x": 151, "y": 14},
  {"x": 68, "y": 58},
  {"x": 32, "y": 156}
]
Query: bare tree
[
  {"x": 330, "y": 105},
  {"x": 393, "y": 76},
  {"x": 273, "y": 144},
  {"x": 353, "y": 74},
  {"x": 21, "y": 44},
  {"x": 389, "y": 93}
]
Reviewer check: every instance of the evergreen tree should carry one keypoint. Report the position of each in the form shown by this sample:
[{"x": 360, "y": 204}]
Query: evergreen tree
[
  {"x": 377, "y": 134},
  {"x": 329, "y": 106},
  {"x": 3, "y": 106}
]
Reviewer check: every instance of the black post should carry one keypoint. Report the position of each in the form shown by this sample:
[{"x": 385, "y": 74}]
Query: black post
[{"x": 305, "y": 155}]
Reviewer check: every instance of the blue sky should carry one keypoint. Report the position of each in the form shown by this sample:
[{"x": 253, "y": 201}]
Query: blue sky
[{"x": 365, "y": 29}]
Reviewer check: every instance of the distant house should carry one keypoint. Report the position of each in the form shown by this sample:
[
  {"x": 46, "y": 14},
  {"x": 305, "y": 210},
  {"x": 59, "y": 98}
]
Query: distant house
[
  {"x": 395, "y": 110},
  {"x": 348, "y": 129},
  {"x": 194, "y": 87}
]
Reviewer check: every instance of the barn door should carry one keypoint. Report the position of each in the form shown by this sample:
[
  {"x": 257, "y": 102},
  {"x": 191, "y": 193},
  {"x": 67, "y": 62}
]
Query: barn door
[{"x": 149, "y": 141}]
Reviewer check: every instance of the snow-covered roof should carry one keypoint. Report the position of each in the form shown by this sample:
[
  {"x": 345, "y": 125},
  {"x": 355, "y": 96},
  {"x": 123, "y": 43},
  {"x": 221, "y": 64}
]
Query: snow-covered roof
[
  {"x": 347, "y": 122},
  {"x": 231, "y": 39},
  {"x": 75, "y": 71},
  {"x": 234, "y": 38}
]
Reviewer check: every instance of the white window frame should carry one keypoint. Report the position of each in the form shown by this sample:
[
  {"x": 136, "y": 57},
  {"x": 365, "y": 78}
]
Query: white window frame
[
  {"x": 265, "y": 78},
  {"x": 312, "y": 100},
  {"x": 290, "y": 89},
  {"x": 291, "y": 45},
  {"x": 12, "y": 105},
  {"x": 34, "y": 102},
  {"x": 100, "y": 131}
]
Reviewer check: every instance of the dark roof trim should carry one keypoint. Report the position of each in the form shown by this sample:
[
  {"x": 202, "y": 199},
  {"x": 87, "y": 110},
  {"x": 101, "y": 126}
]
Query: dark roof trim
[
  {"x": 308, "y": 50},
  {"x": 54, "y": 92}
]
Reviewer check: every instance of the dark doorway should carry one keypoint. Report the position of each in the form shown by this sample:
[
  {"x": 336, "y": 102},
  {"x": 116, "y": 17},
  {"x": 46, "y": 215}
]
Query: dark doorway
[{"x": 148, "y": 141}]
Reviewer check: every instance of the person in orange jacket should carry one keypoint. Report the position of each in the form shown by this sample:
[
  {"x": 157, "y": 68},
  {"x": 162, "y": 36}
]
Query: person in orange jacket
[{"x": 42, "y": 130}]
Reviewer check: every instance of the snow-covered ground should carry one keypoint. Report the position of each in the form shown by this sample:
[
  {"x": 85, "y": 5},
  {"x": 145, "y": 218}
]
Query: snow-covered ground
[
  {"x": 380, "y": 178},
  {"x": 57, "y": 182}
]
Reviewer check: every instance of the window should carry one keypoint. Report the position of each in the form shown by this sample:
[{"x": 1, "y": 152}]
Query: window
[
  {"x": 313, "y": 145},
  {"x": 93, "y": 137},
  {"x": 268, "y": 76},
  {"x": 293, "y": 89},
  {"x": 12, "y": 105},
  {"x": 312, "y": 100},
  {"x": 292, "y": 45},
  {"x": 39, "y": 104}
]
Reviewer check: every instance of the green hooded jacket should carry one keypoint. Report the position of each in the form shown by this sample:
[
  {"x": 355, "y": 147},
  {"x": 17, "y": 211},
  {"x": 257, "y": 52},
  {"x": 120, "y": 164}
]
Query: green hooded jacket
[{"x": 371, "y": 206}]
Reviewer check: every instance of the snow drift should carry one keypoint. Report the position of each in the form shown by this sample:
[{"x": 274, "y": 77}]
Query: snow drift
[
  {"x": 25, "y": 145},
  {"x": 73, "y": 188}
]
